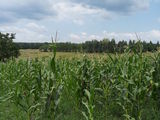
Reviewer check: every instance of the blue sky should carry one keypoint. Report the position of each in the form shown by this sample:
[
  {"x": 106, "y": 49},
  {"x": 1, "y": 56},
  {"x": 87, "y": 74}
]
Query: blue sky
[{"x": 80, "y": 20}]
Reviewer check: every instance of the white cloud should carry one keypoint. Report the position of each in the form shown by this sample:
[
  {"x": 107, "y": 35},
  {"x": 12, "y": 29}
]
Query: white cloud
[
  {"x": 24, "y": 17},
  {"x": 84, "y": 33},
  {"x": 13, "y": 11},
  {"x": 16, "y": 10},
  {"x": 75, "y": 10},
  {"x": 79, "y": 38},
  {"x": 30, "y": 32},
  {"x": 36, "y": 28},
  {"x": 153, "y": 35},
  {"x": 75, "y": 38},
  {"x": 119, "y": 6},
  {"x": 92, "y": 37},
  {"x": 33, "y": 32},
  {"x": 78, "y": 22}
]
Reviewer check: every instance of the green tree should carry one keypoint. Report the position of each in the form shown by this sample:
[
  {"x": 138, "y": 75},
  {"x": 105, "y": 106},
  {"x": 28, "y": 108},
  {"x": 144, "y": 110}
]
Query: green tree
[
  {"x": 44, "y": 48},
  {"x": 8, "y": 49}
]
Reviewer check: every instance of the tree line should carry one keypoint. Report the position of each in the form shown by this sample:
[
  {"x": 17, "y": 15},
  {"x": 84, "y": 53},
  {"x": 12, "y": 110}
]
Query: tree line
[
  {"x": 9, "y": 49},
  {"x": 94, "y": 46}
]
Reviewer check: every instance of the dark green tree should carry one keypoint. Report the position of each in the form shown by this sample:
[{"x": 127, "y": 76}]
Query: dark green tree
[
  {"x": 112, "y": 46},
  {"x": 8, "y": 49},
  {"x": 121, "y": 46},
  {"x": 44, "y": 48}
]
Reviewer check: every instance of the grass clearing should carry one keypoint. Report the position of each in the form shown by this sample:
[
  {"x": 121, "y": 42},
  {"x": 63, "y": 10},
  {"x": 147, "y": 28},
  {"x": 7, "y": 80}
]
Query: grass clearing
[{"x": 35, "y": 53}]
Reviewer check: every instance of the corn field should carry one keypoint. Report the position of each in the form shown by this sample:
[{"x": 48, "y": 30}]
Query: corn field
[{"x": 117, "y": 87}]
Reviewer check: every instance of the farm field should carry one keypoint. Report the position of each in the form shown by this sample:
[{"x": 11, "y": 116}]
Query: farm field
[
  {"x": 79, "y": 60},
  {"x": 35, "y": 53},
  {"x": 119, "y": 87}
]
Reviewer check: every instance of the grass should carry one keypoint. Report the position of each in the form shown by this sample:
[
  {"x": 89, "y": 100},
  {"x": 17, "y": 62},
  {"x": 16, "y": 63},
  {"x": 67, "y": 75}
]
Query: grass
[{"x": 35, "y": 53}]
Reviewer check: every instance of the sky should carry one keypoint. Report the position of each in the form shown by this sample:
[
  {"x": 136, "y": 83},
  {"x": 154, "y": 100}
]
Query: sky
[{"x": 78, "y": 21}]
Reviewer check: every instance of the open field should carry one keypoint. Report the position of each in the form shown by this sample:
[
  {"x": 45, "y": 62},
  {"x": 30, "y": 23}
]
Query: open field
[
  {"x": 35, "y": 53},
  {"x": 119, "y": 87}
]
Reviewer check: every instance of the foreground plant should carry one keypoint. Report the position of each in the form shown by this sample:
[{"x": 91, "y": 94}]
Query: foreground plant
[{"x": 119, "y": 86}]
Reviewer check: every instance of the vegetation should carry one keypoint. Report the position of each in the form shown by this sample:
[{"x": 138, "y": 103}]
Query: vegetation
[
  {"x": 94, "y": 46},
  {"x": 30, "y": 45},
  {"x": 7, "y": 48},
  {"x": 119, "y": 87},
  {"x": 35, "y": 53}
]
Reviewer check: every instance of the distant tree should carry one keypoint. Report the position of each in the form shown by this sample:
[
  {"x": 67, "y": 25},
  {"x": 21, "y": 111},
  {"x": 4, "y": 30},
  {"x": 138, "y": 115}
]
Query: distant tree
[
  {"x": 44, "y": 48},
  {"x": 152, "y": 47},
  {"x": 157, "y": 45},
  {"x": 8, "y": 49},
  {"x": 122, "y": 46},
  {"x": 112, "y": 46},
  {"x": 95, "y": 46},
  {"x": 145, "y": 46},
  {"x": 105, "y": 43}
]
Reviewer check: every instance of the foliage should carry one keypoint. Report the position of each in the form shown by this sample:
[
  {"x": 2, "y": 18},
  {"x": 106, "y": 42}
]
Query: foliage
[
  {"x": 119, "y": 87},
  {"x": 8, "y": 49},
  {"x": 94, "y": 46},
  {"x": 44, "y": 48}
]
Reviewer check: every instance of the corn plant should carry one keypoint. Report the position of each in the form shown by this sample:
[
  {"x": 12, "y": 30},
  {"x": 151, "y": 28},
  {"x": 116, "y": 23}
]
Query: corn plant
[{"x": 115, "y": 86}]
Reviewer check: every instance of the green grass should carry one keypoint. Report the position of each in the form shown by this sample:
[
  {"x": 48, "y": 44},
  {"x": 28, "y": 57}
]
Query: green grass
[{"x": 71, "y": 86}]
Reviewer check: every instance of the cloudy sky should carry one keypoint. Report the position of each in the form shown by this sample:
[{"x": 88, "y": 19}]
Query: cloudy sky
[{"x": 80, "y": 20}]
